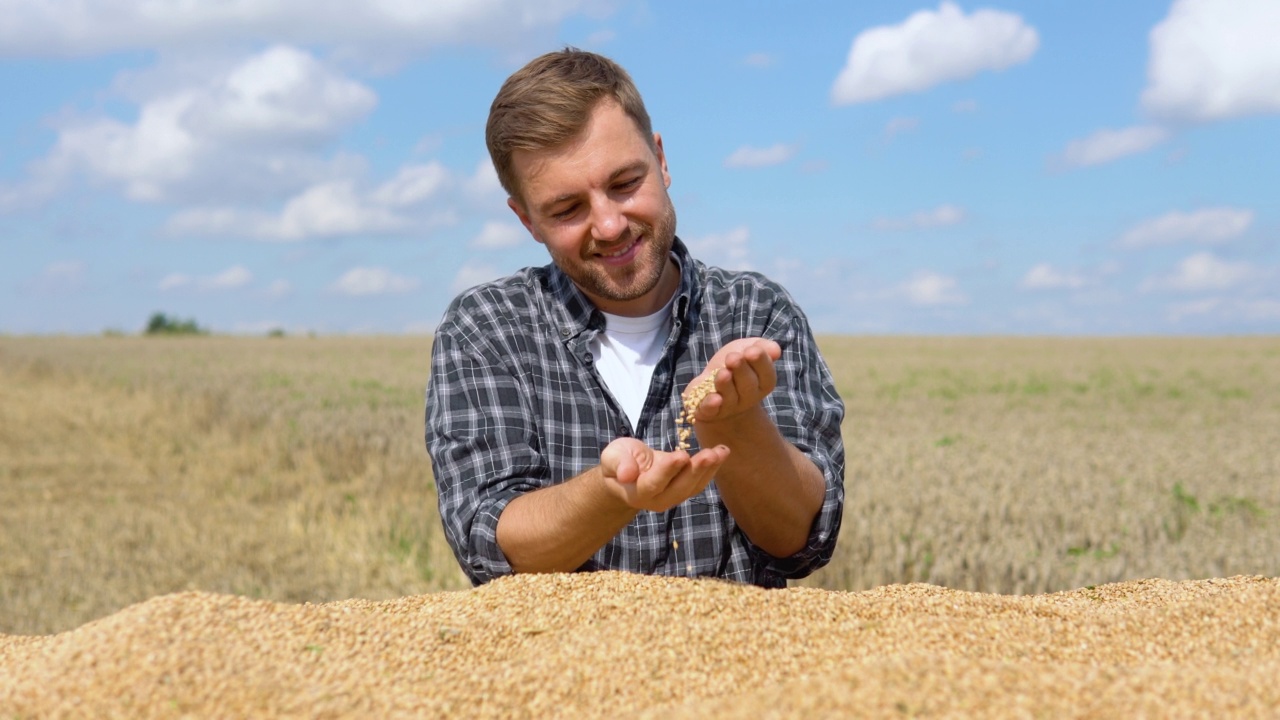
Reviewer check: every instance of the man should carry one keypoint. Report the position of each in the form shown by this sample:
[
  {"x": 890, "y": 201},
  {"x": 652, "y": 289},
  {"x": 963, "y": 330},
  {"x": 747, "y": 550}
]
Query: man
[{"x": 554, "y": 393}]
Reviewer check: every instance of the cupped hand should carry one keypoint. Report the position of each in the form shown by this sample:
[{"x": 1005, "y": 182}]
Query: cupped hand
[
  {"x": 745, "y": 376},
  {"x": 648, "y": 479}
]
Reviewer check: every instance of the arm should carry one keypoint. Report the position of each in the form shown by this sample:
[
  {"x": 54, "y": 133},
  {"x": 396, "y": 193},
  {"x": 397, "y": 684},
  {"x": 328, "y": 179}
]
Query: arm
[
  {"x": 557, "y": 528},
  {"x": 502, "y": 511},
  {"x": 773, "y": 491}
]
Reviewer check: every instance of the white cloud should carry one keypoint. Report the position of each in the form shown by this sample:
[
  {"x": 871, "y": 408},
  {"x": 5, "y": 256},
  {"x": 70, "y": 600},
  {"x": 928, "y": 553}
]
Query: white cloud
[
  {"x": 750, "y": 157},
  {"x": 1256, "y": 310},
  {"x": 365, "y": 281},
  {"x": 1203, "y": 271},
  {"x": 252, "y": 129},
  {"x": 941, "y": 216},
  {"x": 600, "y": 37},
  {"x": 1210, "y": 226},
  {"x": 60, "y": 277},
  {"x": 370, "y": 29},
  {"x": 1214, "y": 59},
  {"x": 222, "y": 221},
  {"x": 930, "y": 48},
  {"x": 1045, "y": 277},
  {"x": 728, "y": 250},
  {"x": 1178, "y": 312},
  {"x": 236, "y": 276},
  {"x": 327, "y": 210},
  {"x": 233, "y": 277},
  {"x": 333, "y": 209},
  {"x": 282, "y": 94},
  {"x": 930, "y": 288},
  {"x": 815, "y": 166},
  {"x": 483, "y": 183},
  {"x": 497, "y": 235},
  {"x": 1261, "y": 309},
  {"x": 412, "y": 185},
  {"x": 279, "y": 288},
  {"x": 72, "y": 270},
  {"x": 472, "y": 274},
  {"x": 1106, "y": 145},
  {"x": 899, "y": 125},
  {"x": 174, "y": 281},
  {"x": 330, "y": 209}
]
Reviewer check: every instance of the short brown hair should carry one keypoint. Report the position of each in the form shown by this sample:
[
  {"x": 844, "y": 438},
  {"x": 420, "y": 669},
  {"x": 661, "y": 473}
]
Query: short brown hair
[{"x": 548, "y": 101}]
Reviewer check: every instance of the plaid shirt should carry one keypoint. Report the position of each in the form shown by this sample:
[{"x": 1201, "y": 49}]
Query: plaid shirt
[{"x": 514, "y": 404}]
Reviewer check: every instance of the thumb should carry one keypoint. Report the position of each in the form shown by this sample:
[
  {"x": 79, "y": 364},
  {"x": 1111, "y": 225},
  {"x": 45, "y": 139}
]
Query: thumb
[{"x": 619, "y": 462}]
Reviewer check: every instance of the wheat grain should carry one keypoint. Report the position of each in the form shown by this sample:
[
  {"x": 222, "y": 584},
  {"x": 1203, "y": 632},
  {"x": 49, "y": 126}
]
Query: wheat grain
[
  {"x": 693, "y": 398},
  {"x": 618, "y": 645}
]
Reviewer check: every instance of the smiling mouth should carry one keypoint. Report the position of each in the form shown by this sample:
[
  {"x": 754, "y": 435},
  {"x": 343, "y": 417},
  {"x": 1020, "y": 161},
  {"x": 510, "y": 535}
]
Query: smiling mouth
[{"x": 620, "y": 252}]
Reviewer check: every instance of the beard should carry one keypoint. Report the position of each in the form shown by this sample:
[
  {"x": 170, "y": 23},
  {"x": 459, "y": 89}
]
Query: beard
[{"x": 632, "y": 281}]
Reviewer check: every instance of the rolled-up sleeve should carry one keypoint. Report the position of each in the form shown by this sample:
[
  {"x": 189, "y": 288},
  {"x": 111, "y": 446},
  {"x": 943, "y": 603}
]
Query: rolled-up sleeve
[
  {"x": 808, "y": 412},
  {"x": 482, "y": 439}
]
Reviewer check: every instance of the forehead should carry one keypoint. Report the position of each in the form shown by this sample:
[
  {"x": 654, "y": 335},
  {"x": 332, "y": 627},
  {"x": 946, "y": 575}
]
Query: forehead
[{"x": 609, "y": 141}]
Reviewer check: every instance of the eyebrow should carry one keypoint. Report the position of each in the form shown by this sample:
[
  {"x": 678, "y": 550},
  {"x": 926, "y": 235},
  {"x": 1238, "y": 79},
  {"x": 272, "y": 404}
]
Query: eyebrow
[{"x": 641, "y": 165}]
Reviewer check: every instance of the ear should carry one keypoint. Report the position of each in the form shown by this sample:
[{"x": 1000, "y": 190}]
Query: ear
[
  {"x": 519, "y": 210},
  {"x": 662, "y": 159}
]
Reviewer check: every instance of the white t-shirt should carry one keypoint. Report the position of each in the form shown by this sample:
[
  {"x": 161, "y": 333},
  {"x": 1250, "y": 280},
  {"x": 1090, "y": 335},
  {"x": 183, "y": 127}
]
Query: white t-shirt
[{"x": 626, "y": 353}]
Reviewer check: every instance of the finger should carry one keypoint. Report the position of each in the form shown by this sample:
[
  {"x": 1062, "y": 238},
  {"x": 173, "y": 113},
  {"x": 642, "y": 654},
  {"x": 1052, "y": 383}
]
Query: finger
[
  {"x": 695, "y": 478},
  {"x": 627, "y": 470},
  {"x": 726, "y": 386},
  {"x": 710, "y": 459},
  {"x": 771, "y": 348},
  {"x": 658, "y": 477},
  {"x": 710, "y": 407},
  {"x": 766, "y": 376},
  {"x": 625, "y": 459}
]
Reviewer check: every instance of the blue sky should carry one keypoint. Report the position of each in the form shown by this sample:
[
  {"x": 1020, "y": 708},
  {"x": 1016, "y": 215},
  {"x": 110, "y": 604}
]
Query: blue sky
[{"x": 1025, "y": 167}]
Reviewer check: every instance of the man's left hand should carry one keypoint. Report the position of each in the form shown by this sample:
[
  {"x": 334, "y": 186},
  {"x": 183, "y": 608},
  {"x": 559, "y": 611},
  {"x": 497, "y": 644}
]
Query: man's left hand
[{"x": 746, "y": 375}]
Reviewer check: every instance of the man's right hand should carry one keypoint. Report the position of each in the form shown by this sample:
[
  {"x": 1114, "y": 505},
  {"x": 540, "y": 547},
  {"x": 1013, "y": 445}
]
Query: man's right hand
[{"x": 648, "y": 479}]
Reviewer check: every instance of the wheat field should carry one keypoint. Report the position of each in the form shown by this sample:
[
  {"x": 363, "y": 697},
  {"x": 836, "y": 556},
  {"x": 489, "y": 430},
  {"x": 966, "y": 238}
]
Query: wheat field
[{"x": 293, "y": 469}]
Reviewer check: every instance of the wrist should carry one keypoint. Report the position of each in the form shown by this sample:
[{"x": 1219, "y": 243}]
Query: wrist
[
  {"x": 610, "y": 497},
  {"x": 733, "y": 430}
]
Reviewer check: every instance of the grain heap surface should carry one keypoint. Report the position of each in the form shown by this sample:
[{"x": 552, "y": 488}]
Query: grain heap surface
[{"x": 618, "y": 645}]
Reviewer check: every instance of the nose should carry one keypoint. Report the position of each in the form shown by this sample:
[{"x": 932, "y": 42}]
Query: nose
[{"x": 607, "y": 221}]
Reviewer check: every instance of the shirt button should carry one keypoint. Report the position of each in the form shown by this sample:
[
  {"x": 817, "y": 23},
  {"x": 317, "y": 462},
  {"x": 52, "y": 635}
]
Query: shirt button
[
  {"x": 623, "y": 432},
  {"x": 565, "y": 332}
]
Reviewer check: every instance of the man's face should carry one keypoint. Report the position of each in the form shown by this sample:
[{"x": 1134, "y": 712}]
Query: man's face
[{"x": 600, "y": 205}]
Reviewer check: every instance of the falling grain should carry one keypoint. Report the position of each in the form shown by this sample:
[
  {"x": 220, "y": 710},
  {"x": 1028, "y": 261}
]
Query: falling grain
[{"x": 691, "y": 400}]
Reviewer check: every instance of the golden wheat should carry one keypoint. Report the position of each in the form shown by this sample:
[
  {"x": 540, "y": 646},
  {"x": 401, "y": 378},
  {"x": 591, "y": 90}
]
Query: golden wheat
[
  {"x": 619, "y": 645},
  {"x": 691, "y": 401},
  {"x": 294, "y": 469}
]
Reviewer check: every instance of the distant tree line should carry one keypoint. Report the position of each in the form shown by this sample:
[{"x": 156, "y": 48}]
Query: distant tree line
[{"x": 161, "y": 324}]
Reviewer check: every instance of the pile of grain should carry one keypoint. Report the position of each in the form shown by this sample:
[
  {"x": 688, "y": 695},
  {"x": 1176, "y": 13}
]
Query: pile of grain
[{"x": 610, "y": 644}]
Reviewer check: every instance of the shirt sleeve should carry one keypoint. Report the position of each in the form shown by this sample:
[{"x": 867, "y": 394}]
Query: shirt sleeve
[
  {"x": 808, "y": 412},
  {"x": 482, "y": 438}
]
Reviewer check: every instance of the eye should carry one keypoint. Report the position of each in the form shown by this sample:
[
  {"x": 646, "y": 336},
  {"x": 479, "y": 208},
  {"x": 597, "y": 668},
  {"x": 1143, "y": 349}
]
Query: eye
[
  {"x": 630, "y": 184},
  {"x": 566, "y": 213}
]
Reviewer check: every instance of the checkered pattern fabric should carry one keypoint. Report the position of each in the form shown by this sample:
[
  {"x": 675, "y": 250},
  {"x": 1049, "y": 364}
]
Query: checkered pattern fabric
[{"x": 514, "y": 404}]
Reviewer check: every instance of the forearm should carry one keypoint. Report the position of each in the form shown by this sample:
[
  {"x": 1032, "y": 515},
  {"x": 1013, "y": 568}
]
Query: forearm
[
  {"x": 772, "y": 490},
  {"x": 558, "y": 528}
]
